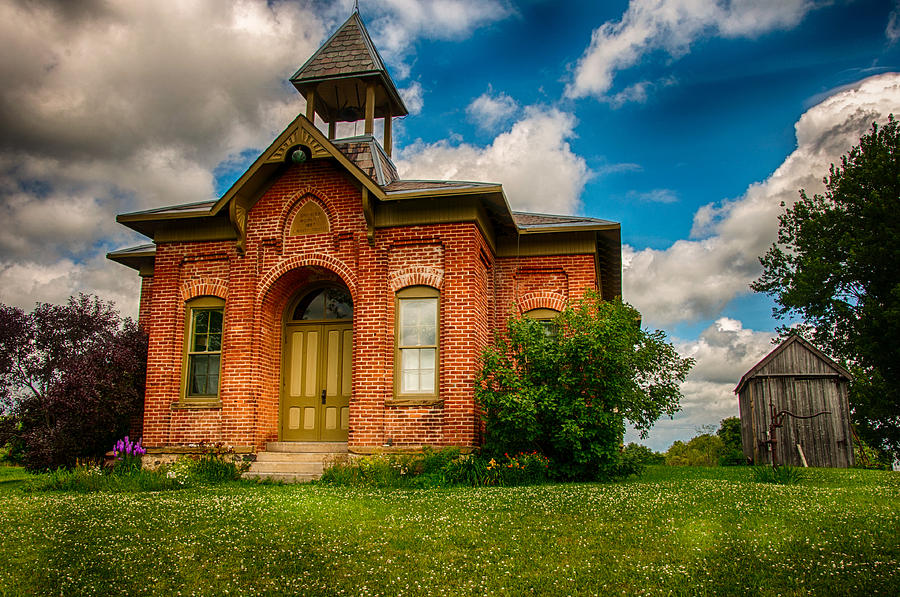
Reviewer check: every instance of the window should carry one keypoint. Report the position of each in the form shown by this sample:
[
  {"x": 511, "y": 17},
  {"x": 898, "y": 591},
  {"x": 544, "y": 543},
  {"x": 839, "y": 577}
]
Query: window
[
  {"x": 547, "y": 319},
  {"x": 416, "y": 359},
  {"x": 203, "y": 354},
  {"x": 324, "y": 303}
]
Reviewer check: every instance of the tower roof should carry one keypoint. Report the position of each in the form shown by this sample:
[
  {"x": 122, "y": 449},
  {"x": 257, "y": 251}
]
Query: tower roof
[{"x": 341, "y": 69}]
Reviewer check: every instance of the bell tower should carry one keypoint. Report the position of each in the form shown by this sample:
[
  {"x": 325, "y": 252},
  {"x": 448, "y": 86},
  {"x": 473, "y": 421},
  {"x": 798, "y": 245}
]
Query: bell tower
[{"x": 346, "y": 81}]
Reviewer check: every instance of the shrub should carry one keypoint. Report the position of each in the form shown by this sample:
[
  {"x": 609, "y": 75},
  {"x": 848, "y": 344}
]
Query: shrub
[
  {"x": 73, "y": 376},
  {"x": 437, "y": 469},
  {"x": 730, "y": 434},
  {"x": 643, "y": 454},
  {"x": 783, "y": 475},
  {"x": 215, "y": 463},
  {"x": 568, "y": 395},
  {"x": 702, "y": 450}
]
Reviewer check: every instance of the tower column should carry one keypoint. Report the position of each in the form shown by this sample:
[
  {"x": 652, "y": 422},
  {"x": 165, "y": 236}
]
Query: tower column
[
  {"x": 370, "y": 109},
  {"x": 387, "y": 132},
  {"x": 311, "y": 106}
]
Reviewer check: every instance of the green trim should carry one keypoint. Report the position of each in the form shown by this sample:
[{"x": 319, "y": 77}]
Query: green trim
[
  {"x": 417, "y": 292},
  {"x": 199, "y": 304}
]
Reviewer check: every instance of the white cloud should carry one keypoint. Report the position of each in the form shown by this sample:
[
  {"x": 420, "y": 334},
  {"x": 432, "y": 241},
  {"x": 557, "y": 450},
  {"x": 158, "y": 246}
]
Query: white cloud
[
  {"x": 654, "y": 196},
  {"x": 413, "y": 97},
  {"x": 724, "y": 352},
  {"x": 122, "y": 105},
  {"x": 489, "y": 111},
  {"x": 114, "y": 106},
  {"x": 671, "y": 26},
  {"x": 892, "y": 31},
  {"x": 532, "y": 160},
  {"x": 696, "y": 278},
  {"x": 396, "y": 24}
]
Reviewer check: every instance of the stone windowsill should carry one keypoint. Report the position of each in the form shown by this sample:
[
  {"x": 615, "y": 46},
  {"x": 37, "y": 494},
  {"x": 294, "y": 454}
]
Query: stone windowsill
[
  {"x": 414, "y": 402},
  {"x": 197, "y": 405}
]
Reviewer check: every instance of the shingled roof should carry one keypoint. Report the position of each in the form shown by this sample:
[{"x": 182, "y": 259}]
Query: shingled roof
[{"x": 349, "y": 53}]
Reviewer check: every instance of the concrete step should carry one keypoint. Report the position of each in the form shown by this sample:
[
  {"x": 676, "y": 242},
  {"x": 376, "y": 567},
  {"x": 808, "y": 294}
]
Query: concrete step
[
  {"x": 297, "y": 456},
  {"x": 311, "y": 468},
  {"x": 309, "y": 447},
  {"x": 282, "y": 477},
  {"x": 295, "y": 462}
]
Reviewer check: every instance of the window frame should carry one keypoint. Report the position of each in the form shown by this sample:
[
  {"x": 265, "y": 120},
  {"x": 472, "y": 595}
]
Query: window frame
[
  {"x": 416, "y": 292},
  {"x": 545, "y": 317},
  {"x": 196, "y": 305},
  {"x": 295, "y": 303}
]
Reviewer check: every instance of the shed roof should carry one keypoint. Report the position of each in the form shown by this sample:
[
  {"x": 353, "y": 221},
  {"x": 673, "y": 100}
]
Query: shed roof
[{"x": 760, "y": 367}]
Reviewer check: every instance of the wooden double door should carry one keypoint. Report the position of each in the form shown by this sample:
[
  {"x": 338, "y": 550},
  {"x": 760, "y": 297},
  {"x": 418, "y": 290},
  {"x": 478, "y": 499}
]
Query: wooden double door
[{"x": 316, "y": 381}]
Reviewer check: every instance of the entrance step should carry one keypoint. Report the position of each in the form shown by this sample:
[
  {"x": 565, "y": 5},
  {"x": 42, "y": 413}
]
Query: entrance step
[
  {"x": 330, "y": 447},
  {"x": 295, "y": 462}
]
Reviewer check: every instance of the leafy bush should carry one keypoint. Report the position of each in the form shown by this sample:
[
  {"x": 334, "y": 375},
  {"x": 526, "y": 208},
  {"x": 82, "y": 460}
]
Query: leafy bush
[
  {"x": 73, "y": 377},
  {"x": 567, "y": 395},
  {"x": 783, "y": 475},
  {"x": 730, "y": 434},
  {"x": 643, "y": 454},
  {"x": 702, "y": 450},
  {"x": 11, "y": 445},
  {"x": 215, "y": 463},
  {"x": 437, "y": 469},
  {"x": 377, "y": 470},
  {"x": 869, "y": 457}
]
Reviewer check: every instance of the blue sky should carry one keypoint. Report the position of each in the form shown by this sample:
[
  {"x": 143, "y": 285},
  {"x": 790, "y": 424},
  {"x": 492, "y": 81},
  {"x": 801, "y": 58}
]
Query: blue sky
[{"x": 687, "y": 121}]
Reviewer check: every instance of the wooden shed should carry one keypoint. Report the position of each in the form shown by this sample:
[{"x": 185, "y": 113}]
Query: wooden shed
[{"x": 799, "y": 378}]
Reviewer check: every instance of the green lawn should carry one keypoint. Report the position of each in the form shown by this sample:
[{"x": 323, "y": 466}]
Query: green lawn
[{"x": 673, "y": 532}]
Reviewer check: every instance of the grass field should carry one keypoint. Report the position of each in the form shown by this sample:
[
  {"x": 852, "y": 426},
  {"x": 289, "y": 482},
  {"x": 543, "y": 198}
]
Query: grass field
[{"x": 676, "y": 531}]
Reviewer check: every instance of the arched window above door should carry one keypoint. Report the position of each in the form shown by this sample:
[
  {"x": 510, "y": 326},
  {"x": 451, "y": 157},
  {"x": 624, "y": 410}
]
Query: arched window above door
[{"x": 323, "y": 304}]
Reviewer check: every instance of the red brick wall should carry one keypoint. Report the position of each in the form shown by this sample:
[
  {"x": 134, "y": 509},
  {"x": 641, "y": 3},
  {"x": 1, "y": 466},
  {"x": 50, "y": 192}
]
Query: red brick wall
[{"x": 477, "y": 293}]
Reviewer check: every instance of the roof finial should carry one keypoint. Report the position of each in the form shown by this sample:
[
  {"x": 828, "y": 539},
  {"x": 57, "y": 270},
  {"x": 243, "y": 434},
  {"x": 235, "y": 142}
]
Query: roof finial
[{"x": 356, "y": 6}]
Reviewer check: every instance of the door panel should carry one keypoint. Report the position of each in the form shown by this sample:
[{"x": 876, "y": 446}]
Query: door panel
[
  {"x": 318, "y": 361},
  {"x": 339, "y": 348}
]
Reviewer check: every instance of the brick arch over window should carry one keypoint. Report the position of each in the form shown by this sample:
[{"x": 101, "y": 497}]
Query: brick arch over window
[
  {"x": 416, "y": 276},
  {"x": 298, "y": 200},
  {"x": 298, "y": 261},
  {"x": 195, "y": 287},
  {"x": 541, "y": 300}
]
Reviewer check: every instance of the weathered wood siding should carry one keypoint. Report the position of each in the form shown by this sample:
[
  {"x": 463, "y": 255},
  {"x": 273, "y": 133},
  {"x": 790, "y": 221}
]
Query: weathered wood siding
[{"x": 799, "y": 381}]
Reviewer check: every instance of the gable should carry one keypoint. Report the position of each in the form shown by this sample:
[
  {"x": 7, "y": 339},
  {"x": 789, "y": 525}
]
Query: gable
[{"x": 794, "y": 357}]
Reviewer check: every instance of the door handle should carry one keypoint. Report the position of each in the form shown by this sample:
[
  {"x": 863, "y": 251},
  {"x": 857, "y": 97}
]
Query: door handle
[{"x": 323, "y": 396}]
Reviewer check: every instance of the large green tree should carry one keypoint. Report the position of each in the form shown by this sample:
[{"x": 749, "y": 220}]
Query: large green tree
[
  {"x": 567, "y": 391},
  {"x": 836, "y": 269}
]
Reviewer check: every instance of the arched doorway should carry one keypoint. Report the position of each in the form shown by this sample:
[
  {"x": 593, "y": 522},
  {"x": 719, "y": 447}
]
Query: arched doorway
[{"x": 317, "y": 365}]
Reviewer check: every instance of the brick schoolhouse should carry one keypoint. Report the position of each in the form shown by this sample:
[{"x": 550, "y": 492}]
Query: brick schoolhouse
[{"x": 324, "y": 299}]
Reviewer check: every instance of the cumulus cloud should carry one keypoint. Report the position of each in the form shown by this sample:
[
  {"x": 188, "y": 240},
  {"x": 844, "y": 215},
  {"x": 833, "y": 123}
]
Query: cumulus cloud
[
  {"x": 532, "y": 160},
  {"x": 696, "y": 278},
  {"x": 723, "y": 352},
  {"x": 396, "y": 24},
  {"x": 413, "y": 97},
  {"x": 670, "y": 26},
  {"x": 115, "y": 106},
  {"x": 490, "y": 110}
]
